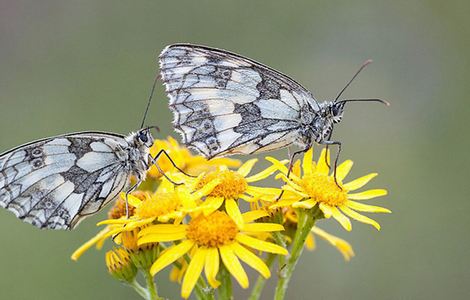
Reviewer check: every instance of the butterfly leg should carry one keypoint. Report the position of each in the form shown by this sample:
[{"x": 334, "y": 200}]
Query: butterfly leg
[
  {"x": 291, "y": 164},
  {"x": 163, "y": 152},
  {"x": 154, "y": 162},
  {"x": 327, "y": 143},
  {"x": 132, "y": 188}
]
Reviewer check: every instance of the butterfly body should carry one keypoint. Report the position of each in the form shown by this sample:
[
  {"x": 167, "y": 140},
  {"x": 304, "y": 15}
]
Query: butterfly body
[
  {"x": 55, "y": 182},
  {"x": 224, "y": 103}
]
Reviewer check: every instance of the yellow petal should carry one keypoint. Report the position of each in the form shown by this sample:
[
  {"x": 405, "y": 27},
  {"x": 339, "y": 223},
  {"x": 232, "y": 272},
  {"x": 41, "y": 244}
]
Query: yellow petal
[
  {"x": 162, "y": 228},
  {"x": 251, "y": 259},
  {"x": 114, "y": 222},
  {"x": 327, "y": 212},
  {"x": 245, "y": 169},
  {"x": 234, "y": 212},
  {"x": 253, "y": 215},
  {"x": 341, "y": 245},
  {"x": 305, "y": 204},
  {"x": 359, "y": 182},
  {"x": 263, "y": 174},
  {"x": 260, "y": 245},
  {"x": 310, "y": 242},
  {"x": 366, "y": 208},
  {"x": 367, "y": 194},
  {"x": 278, "y": 164},
  {"x": 233, "y": 265},
  {"x": 307, "y": 163},
  {"x": 211, "y": 267},
  {"x": 170, "y": 256},
  {"x": 132, "y": 200},
  {"x": 101, "y": 235},
  {"x": 323, "y": 162},
  {"x": 342, "y": 219},
  {"x": 255, "y": 190},
  {"x": 206, "y": 189},
  {"x": 263, "y": 227},
  {"x": 212, "y": 204},
  {"x": 161, "y": 237},
  {"x": 343, "y": 170},
  {"x": 193, "y": 272},
  {"x": 356, "y": 216}
]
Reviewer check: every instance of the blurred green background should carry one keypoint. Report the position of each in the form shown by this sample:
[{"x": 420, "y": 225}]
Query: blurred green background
[{"x": 68, "y": 66}]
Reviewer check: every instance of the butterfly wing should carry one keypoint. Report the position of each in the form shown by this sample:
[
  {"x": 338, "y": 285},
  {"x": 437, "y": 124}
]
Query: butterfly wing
[
  {"x": 224, "y": 103},
  {"x": 56, "y": 182}
]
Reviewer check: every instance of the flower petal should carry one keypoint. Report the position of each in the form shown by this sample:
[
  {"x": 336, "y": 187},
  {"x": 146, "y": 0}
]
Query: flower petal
[
  {"x": 94, "y": 240},
  {"x": 211, "y": 267},
  {"x": 233, "y": 211},
  {"x": 161, "y": 237},
  {"x": 367, "y": 208},
  {"x": 171, "y": 255},
  {"x": 263, "y": 174},
  {"x": 307, "y": 163},
  {"x": 327, "y": 212},
  {"x": 193, "y": 272},
  {"x": 343, "y": 247},
  {"x": 358, "y": 217},
  {"x": 206, "y": 189},
  {"x": 343, "y": 170},
  {"x": 342, "y": 219},
  {"x": 280, "y": 166},
  {"x": 367, "y": 194},
  {"x": 253, "y": 215},
  {"x": 305, "y": 204},
  {"x": 323, "y": 162},
  {"x": 310, "y": 242},
  {"x": 162, "y": 228},
  {"x": 212, "y": 204},
  {"x": 245, "y": 169},
  {"x": 233, "y": 265},
  {"x": 359, "y": 182},
  {"x": 251, "y": 259},
  {"x": 260, "y": 245},
  {"x": 262, "y": 227}
]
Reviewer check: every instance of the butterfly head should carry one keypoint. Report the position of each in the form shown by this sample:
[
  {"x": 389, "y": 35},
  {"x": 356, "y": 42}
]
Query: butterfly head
[
  {"x": 335, "y": 111},
  {"x": 144, "y": 138}
]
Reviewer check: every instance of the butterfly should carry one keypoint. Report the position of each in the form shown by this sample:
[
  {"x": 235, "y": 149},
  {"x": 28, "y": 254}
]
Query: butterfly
[
  {"x": 56, "y": 182},
  {"x": 224, "y": 104}
]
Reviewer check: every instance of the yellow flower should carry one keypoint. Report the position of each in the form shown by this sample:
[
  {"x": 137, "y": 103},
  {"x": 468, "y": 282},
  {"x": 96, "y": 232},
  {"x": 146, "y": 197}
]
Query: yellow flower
[
  {"x": 227, "y": 186},
  {"x": 167, "y": 203},
  {"x": 191, "y": 164},
  {"x": 209, "y": 238},
  {"x": 120, "y": 265},
  {"x": 317, "y": 187}
]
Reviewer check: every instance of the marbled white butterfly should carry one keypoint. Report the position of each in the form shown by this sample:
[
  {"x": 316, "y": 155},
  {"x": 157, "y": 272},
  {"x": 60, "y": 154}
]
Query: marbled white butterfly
[
  {"x": 224, "y": 103},
  {"x": 56, "y": 182}
]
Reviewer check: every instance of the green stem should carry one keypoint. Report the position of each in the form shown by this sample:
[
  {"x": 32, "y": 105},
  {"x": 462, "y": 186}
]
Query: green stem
[
  {"x": 139, "y": 289},
  {"x": 306, "y": 220},
  {"x": 261, "y": 281},
  {"x": 225, "y": 288},
  {"x": 151, "y": 287}
]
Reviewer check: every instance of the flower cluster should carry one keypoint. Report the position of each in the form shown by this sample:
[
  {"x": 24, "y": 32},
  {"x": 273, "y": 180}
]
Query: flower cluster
[{"x": 222, "y": 216}]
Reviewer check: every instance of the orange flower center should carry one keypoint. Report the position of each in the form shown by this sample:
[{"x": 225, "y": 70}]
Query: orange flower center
[
  {"x": 232, "y": 186},
  {"x": 212, "y": 231},
  {"x": 158, "y": 205},
  {"x": 323, "y": 188}
]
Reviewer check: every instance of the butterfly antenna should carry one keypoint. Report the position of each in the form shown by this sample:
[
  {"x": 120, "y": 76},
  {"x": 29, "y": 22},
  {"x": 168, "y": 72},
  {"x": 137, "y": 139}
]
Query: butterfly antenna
[
  {"x": 149, "y": 100},
  {"x": 365, "y": 64}
]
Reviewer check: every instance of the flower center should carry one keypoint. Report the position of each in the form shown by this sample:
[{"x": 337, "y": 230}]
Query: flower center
[
  {"x": 232, "y": 186},
  {"x": 158, "y": 205},
  {"x": 323, "y": 188},
  {"x": 214, "y": 230}
]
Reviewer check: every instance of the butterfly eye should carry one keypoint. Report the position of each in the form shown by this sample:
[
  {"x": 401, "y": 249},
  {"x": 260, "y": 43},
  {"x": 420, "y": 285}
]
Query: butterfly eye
[{"x": 143, "y": 137}]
